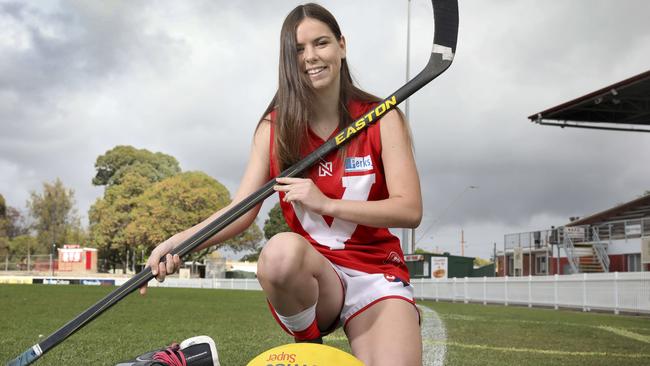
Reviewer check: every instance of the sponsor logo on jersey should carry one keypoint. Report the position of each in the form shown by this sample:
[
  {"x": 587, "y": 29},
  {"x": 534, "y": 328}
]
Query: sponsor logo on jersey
[
  {"x": 358, "y": 164},
  {"x": 325, "y": 169}
]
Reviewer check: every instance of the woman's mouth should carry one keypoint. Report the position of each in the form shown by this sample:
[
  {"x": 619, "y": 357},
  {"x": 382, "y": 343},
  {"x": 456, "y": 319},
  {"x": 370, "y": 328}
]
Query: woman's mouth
[{"x": 315, "y": 70}]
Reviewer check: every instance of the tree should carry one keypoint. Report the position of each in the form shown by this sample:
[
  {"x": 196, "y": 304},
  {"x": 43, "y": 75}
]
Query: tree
[
  {"x": 121, "y": 161},
  {"x": 173, "y": 205},
  {"x": 15, "y": 224},
  {"x": 12, "y": 226},
  {"x": 480, "y": 262},
  {"x": 136, "y": 215},
  {"x": 55, "y": 218},
  {"x": 275, "y": 224},
  {"x": 4, "y": 242},
  {"x": 109, "y": 216},
  {"x": 21, "y": 245},
  {"x": 178, "y": 203},
  {"x": 3, "y": 207}
]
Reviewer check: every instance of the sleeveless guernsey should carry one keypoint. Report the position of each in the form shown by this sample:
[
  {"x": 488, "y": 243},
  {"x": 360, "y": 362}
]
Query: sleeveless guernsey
[{"x": 359, "y": 175}]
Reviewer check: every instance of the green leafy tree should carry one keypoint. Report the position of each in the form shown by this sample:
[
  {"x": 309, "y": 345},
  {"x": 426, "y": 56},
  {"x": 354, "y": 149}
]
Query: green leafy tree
[
  {"x": 173, "y": 205},
  {"x": 178, "y": 203},
  {"x": 15, "y": 224},
  {"x": 12, "y": 225},
  {"x": 4, "y": 241},
  {"x": 421, "y": 251},
  {"x": 21, "y": 245},
  {"x": 480, "y": 262},
  {"x": 274, "y": 224},
  {"x": 136, "y": 215},
  {"x": 121, "y": 161},
  {"x": 52, "y": 210},
  {"x": 3, "y": 207},
  {"x": 109, "y": 216}
]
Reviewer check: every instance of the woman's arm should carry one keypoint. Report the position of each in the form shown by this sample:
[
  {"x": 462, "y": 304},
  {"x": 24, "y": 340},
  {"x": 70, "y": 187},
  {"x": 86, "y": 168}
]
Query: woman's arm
[{"x": 403, "y": 207}]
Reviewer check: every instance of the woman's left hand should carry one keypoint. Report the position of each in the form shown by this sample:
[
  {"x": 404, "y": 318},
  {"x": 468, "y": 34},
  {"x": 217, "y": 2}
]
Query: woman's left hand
[{"x": 303, "y": 191}]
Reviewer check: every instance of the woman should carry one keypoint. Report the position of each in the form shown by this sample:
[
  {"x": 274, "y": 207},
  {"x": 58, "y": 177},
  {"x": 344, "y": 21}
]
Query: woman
[{"x": 340, "y": 265}]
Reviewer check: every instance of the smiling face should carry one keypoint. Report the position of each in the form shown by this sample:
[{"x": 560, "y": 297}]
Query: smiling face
[{"x": 319, "y": 53}]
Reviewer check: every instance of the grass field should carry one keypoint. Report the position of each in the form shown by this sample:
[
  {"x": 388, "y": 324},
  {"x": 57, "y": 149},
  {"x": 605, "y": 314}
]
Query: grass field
[
  {"x": 498, "y": 335},
  {"x": 242, "y": 327}
]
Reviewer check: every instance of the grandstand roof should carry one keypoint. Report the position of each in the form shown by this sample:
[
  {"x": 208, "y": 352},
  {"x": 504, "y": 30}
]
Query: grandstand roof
[
  {"x": 623, "y": 106},
  {"x": 635, "y": 209}
]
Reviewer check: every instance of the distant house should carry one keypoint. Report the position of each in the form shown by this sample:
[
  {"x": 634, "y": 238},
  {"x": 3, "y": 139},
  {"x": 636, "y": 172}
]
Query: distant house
[{"x": 614, "y": 240}]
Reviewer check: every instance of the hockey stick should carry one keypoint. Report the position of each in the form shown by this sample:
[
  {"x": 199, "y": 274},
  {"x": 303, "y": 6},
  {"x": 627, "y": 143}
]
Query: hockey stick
[{"x": 445, "y": 14}]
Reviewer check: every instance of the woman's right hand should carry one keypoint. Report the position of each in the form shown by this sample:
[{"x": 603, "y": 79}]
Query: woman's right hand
[{"x": 161, "y": 269}]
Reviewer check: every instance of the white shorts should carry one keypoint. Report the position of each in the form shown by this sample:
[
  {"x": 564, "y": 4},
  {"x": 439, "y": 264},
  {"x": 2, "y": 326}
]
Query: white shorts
[{"x": 362, "y": 290}]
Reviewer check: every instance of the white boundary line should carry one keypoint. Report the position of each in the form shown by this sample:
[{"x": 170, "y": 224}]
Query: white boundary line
[{"x": 434, "y": 338}]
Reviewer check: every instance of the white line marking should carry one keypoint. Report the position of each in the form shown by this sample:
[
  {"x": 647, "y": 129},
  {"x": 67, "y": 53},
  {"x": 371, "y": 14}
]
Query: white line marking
[
  {"x": 434, "y": 338},
  {"x": 548, "y": 352},
  {"x": 626, "y": 333}
]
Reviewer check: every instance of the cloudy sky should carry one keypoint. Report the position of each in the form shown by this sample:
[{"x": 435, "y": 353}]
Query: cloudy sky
[{"x": 191, "y": 79}]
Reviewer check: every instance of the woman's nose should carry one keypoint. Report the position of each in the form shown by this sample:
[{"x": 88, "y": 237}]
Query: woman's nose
[{"x": 309, "y": 54}]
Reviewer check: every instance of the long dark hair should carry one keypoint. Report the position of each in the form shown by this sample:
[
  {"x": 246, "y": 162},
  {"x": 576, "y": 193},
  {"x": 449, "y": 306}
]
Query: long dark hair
[{"x": 294, "y": 97}]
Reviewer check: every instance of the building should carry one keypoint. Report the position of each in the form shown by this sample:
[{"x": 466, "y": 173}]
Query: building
[
  {"x": 614, "y": 240},
  {"x": 441, "y": 266},
  {"x": 74, "y": 258},
  {"x": 623, "y": 106}
]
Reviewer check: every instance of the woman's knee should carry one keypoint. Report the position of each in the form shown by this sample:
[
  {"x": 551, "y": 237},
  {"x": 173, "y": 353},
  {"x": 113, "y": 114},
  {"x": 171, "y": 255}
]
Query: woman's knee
[{"x": 282, "y": 258}]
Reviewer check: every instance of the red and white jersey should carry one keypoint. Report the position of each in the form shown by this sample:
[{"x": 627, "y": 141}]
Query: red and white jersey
[{"x": 358, "y": 176}]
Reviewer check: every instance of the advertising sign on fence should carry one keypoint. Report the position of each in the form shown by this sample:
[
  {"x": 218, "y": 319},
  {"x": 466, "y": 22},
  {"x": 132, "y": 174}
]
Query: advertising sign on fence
[{"x": 439, "y": 267}]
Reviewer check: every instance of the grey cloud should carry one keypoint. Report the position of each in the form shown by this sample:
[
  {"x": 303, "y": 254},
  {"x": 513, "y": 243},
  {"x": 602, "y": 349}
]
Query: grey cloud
[{"x": 191, "y": 79}]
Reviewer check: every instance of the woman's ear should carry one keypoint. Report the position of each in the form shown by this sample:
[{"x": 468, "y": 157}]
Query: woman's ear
[{"x": 342, "y": 46}]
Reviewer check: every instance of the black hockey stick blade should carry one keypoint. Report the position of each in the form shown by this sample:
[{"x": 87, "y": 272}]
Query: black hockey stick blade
[{"x": 445, "y": 13}]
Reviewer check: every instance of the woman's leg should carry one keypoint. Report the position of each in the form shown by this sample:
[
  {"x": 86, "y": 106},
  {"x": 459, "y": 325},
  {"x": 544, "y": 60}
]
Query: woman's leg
[
  {"x": 295, "y": 276},
  {"x": 387, "y": 333}
]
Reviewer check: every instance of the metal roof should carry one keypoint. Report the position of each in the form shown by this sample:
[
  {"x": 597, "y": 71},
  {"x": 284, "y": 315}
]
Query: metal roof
[
  {"x": 623, "y": 106},
  {"x": 636, "y": 209}
]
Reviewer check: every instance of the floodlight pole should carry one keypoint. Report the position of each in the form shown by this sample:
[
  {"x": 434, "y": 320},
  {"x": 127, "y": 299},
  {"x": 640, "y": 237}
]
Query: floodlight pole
[{"x": 406, "y": 247}]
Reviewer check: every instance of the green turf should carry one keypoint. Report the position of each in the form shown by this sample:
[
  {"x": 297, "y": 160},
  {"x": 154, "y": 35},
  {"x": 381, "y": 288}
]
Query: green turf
[
  {"x": 499, "y": 335},
  {"x": 238, "y": 321},
  {"x": 241, "y": 325}
]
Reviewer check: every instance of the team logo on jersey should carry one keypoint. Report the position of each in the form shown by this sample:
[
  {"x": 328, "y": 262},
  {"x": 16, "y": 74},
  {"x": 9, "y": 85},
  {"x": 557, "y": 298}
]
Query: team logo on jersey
[
  {"x": 325, "y": 169},
  {"x": 358, "y": 164},
  {"x": 393, "y": 258}
]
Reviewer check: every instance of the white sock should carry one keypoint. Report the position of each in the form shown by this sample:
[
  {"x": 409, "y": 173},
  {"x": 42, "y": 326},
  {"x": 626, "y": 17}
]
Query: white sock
[{"x": 300, "y": 321}]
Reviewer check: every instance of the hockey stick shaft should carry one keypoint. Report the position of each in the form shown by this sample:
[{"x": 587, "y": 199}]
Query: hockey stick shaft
[{"x": 444, "y": 46}]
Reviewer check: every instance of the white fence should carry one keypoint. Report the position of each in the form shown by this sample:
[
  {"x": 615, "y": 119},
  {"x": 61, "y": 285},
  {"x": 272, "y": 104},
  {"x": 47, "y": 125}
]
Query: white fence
[
  {"x": 625, "y": 291},
  {"x": 617, "y": 292},
  {"x": 216, "y": 283}
]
